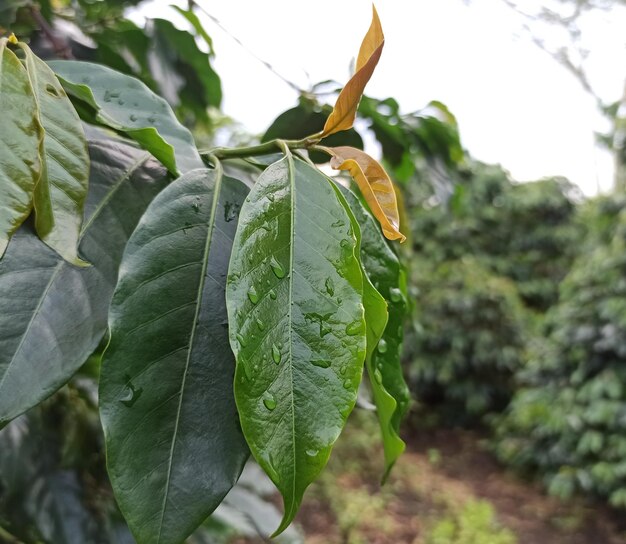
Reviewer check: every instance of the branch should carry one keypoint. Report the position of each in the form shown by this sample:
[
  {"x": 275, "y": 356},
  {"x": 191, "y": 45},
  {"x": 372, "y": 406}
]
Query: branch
[{"x": 61, "y": 47}]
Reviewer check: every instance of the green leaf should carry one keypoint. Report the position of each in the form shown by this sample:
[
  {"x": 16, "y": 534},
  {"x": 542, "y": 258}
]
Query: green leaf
[
  {"x": 383, "y": 348},
  {"x": 174, "y": 446},
  {"x": 62, "y": 188},
  {"x": 202, "y": 83},
  {"x": 193, "y": 19},
  {"x": 306, "y": 119},
  {"x": 19, "y": 145},
  {"x": 126, "y": 105},
  {"x": 296, "y": 324},
  {"x": 53, "y": 315}
]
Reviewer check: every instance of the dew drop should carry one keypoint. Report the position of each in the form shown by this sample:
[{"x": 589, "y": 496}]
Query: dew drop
[
  {"x": 330, "y": 286},
  {"x": 339, "y": 300},
  {"x": 271, "y": 197},
  {"x": 382, "y": 346},
  {"x": 321, "y": 363},
  {"x": 132, "y": 395},
  {"x": 272, "y": 294},
  {"x": 260, "y": 324},
  {"x": 277, "y": 268},
  {"x": 151, "y": 119},
  {"x": 233, "y": 277},
  {"x": 338, "y": 223},
  {"x": 347, "y": 384},
  {"x": 276, "y": 354},
  {"x": 343, "y": 370},
  {"x": 50, "y": 89},
  {"x": 354, "y": 328},
  {"x": 345, "y": 243},
  {"x": 269, "y": 401},
  {"x": 133, "y": 117},
  {"x": 395, "y": 294},
  {"x": 196, "y": 207},
  {"x": 312, "y": 453},
  {"x": 378, "y": 376},
  {"x": 253, "y": 295},
  {"x": 120, "y": 102},
  {"x": 241, "y": 340}
]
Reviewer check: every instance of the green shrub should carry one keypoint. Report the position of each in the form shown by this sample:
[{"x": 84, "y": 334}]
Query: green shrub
[
  {"x": 470, "y": 339},
  {"x": 474, "y": 524},
  {"x": 526, "y": 232},
  {"x": 568, "y": 422}
]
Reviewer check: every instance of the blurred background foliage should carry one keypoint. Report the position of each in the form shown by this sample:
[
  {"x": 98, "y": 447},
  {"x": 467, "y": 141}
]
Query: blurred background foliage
[{"x": 518, "y": 329}]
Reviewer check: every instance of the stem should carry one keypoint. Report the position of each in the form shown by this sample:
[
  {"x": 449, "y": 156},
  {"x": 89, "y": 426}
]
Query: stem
[
  {"x": 61, "y": 47},
  {"x": 263, "y": 149}
]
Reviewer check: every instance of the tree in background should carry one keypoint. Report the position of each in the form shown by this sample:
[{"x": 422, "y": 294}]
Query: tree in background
[{"x": 560, "y": 28}]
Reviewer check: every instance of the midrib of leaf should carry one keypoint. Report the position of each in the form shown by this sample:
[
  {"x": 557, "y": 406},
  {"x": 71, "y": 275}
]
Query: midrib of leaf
[
  {"x": 291, "y": 280},
  {"x": 60, "y": 264},
  {"x": 57, "y": 269},
  {"x": 205, "y": 263}
]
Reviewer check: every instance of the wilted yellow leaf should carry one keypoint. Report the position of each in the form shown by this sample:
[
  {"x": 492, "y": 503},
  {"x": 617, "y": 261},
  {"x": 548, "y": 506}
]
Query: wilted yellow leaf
[
  {"x": 375, "y": 185},
  {"x": 343, "y": 114}
]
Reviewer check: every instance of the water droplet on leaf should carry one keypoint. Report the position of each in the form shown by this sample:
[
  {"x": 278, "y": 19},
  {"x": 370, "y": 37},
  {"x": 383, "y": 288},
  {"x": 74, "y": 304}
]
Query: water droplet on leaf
[
  {"x": 354, "y": 328},
  {"x": 277, "y": 268},
  {"x": 276, "y": 354},
  {"x": 269, "y": 401},
  {"x": 272, "y": 294},
  {"x": 260, "y": 324},
  {"x": 378, "y": 376},
  {"x": 241, "y": 340},
  {"x": 321, "y": 363},
  {"x": 395, "y": 294},
  {"x": 253, "y": 295},
  {"x": 330, "y": 286},
  {"x": 382, "y": 346}
]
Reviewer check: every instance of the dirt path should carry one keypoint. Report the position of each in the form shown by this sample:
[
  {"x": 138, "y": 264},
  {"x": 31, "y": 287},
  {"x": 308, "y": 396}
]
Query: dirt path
[
  {"x": 524, "y": 508},
  {"x": 439, "y": 470}
]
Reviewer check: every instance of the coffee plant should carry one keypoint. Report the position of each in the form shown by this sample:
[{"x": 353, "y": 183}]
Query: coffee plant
[{"x": 237, "y": 317}]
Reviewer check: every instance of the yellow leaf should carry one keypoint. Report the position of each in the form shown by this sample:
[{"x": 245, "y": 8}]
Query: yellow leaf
[
  {"x": 343, "y": 114},
  {"x": 375, "y": 185}
]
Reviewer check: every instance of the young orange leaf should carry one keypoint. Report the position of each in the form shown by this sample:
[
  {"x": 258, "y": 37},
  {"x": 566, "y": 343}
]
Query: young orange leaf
[
  {"x": 375, "y": 185},
  {"x": 344, "y": 112}
]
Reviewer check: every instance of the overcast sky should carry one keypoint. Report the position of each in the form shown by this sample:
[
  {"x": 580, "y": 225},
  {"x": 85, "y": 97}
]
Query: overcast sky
[{"x": 515, "y": 105}]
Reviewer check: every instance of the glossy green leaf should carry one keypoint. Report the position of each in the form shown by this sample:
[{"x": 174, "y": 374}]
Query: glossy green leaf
[
  {"x": 306, "y": 119},
  {"x": 52, "y": 314},
  {"x": 174, "y": 446},
  {"x": 62, "y": 188},
  {"x": 383, "y": 348},
  {"x": 19, "y": 144},
  {"x": 296, "y": 323},
  {"x": 126, "y": 105}
]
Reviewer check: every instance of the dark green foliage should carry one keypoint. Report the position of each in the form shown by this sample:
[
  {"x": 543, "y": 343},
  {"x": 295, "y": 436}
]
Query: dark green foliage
[
  {"x": 53, "y": 483},
  {"x": 567, "y": 422},
  {"x": 305, "y": 119},
  {"x": 526, "y": 232},
  {"x": 165, "y": 58},
  {"x": 469, "y": 342}
]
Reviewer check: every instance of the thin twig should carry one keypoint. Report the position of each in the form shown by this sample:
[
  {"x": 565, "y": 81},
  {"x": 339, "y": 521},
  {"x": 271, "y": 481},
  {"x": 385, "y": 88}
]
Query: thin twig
[
  {"x": 247, "y": 49},
  {"x": 61, "y": 47}
]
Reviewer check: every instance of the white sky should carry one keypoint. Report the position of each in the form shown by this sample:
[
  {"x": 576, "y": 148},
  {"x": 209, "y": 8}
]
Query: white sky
[{"x": 515, "y": 105}]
